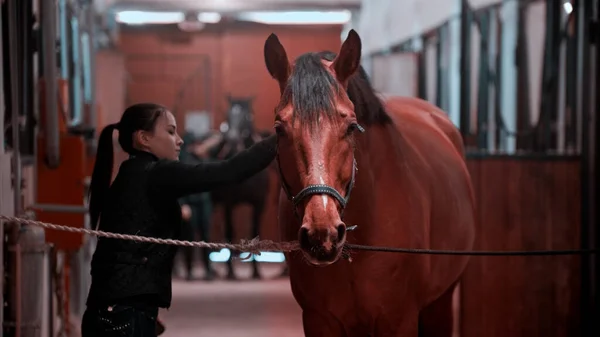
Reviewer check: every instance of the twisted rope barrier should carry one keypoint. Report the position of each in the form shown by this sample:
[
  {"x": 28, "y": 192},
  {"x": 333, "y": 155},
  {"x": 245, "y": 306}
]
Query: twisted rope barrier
[{"x": 256, "y": 246}]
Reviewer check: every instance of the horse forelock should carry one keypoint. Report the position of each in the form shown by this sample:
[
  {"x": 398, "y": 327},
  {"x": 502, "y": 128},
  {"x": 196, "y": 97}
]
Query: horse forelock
[{"x": 312, "y": 91}]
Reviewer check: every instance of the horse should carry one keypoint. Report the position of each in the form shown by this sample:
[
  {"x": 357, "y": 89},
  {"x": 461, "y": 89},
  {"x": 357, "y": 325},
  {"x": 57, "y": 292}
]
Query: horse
[
  {"x": 238, "y": 135},
  {"x": 403, "y": 164}
]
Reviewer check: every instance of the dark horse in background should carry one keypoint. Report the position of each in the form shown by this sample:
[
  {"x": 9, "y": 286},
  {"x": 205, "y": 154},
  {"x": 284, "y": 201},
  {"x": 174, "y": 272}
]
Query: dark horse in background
[{"x": 238, "y": 135}]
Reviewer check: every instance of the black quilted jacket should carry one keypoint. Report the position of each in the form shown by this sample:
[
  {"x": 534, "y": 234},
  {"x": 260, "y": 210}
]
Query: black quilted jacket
[{"x": 143, "y": 201}]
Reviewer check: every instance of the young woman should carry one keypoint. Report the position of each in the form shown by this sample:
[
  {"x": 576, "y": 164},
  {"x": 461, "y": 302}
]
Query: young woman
[{"x": 131, "y": 280}]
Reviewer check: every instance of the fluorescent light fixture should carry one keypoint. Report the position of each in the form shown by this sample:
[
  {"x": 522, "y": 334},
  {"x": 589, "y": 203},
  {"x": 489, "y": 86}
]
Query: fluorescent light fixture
[
  {"x": 220, "y": 256},
  {"x": 209, "y": 17},
  {"x": 298, "y": 17},
  {"x": 224, "y": 254},
  {"x": 568, "y": 7},
  {"x": 142, "y": 17},
  {"x": 273, "y": 257}
]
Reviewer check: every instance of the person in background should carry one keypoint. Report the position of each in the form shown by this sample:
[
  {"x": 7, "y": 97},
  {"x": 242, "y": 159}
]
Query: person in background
[
  {"x": 131, "y": 280},
  {"x": 196, "y": 210}
]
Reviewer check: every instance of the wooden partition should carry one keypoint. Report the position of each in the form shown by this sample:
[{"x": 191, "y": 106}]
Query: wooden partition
[{"x": 524, "y": 204}]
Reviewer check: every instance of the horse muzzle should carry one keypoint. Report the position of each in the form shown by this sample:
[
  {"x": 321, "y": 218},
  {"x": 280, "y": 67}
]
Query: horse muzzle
[{"x": 322, "y": 246}]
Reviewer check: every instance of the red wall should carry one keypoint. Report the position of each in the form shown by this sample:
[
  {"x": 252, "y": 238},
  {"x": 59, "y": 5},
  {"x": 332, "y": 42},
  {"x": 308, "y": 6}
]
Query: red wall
[
  {"x": 236, "y": 61},
  {"x": 154, "y": 65}
]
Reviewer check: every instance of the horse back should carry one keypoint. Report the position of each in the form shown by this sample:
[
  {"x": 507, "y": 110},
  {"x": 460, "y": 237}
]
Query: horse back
[{"x": 404, "y": 105}]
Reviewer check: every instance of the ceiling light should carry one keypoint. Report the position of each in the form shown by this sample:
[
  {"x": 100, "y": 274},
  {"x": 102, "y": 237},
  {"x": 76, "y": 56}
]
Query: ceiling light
[
  {"x": 298, "y": 17},
  {"x": 209, "y": 17},
  {"x": 142, "y": 17}
]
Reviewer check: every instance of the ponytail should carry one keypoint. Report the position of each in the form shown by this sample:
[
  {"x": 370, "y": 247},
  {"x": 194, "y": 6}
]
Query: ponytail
[{"x": 102, "y": 173}]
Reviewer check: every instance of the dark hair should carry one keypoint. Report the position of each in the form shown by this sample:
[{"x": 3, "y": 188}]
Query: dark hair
[
  {"x": 137, "y": 117},
  {"x": 368, "y": 107}
]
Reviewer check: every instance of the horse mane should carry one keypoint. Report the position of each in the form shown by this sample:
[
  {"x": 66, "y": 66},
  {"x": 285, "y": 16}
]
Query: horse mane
[{"x": 312, "y": 90}]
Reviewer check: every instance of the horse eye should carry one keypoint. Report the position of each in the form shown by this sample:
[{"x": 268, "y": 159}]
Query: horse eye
[{"x": 279, "y": 129}]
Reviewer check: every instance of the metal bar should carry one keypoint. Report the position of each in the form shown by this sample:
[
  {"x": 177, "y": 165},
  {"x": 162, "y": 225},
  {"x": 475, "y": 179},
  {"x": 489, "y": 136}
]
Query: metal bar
[
  {"x": 76, "y": 54},
  {"x": 15, "y": 91},
  {"x": 50, "y": 283},
  {"x": 483, "y": 90},
  {"x": 548, "y": 102},
  {"x": 466, "y": 22},
  {"x": 48, "y": 18},
  {"x": 422, "y": 73},
  {"x": 439, "y": 71},
  {"x": 17, "y": 303},
  {"x": 67, "y": 297},
  {"x": 571, "y": 84},
  {"x": 508, "y": 74},
  {"x": 496, "y": 63},
  {"x": 523, "y": 101},
  {"x": 493, "y": 83},
  {"x": 87, "y": 70},
  {"x": 27, "y": 95},
  {"x": 580, "y": 60},
  {"x": 90, "y": 13},
  {"x": 60, "y": 208},
  {"x": 561, "y": 123},
  {"x": 64, "y": 39},
  {"x": 453, "y": 71}
]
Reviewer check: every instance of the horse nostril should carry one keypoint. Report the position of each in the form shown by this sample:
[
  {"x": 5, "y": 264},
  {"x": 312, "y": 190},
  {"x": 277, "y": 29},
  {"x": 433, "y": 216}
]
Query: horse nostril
[
  {"x": 303, "y": 237},
  {"x": 341, "y": 232}
]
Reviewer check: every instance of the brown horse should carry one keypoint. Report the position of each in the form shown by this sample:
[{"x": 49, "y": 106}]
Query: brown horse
[{"x": 411, "y": 189}]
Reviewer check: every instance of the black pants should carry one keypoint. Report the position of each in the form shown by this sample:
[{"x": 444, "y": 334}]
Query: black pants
[
  {"x": 119, "y": 321},
  {"x": 199, "y": 222}
]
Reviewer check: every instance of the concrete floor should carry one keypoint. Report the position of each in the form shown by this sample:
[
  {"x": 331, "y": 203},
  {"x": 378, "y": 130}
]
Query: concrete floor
[{"x": 234, "y": 309}]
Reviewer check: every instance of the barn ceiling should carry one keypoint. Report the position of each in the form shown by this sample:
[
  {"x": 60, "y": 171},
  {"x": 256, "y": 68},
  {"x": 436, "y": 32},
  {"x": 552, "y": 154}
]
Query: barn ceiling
[{"x": 223, "y": 5}]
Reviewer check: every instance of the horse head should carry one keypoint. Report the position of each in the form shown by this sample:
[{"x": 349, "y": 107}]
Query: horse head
[
  {"x": 240, "y": 120},
  {"x": 316, "y": 123}
]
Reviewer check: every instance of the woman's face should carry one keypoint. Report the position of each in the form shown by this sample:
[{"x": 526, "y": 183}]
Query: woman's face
[{"x": 164, "y": 141}]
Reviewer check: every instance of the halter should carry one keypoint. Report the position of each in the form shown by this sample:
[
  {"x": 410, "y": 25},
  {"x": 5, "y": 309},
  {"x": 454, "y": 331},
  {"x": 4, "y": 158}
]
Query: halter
[{"x": 318, "y": 189}]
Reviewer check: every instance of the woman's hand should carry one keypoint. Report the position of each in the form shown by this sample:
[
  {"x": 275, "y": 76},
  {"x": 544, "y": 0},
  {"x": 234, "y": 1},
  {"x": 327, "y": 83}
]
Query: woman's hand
[{"x": 186, "y": 212}]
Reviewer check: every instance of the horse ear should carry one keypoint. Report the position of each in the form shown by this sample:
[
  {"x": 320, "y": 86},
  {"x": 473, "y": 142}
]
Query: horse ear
[
  {"x": 276, "y": 60},
  {"x": 348, "y": 59}
]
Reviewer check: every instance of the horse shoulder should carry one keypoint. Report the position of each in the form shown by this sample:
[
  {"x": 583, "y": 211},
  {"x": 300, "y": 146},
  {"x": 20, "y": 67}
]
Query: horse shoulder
[{"x": 437, "y": 134}]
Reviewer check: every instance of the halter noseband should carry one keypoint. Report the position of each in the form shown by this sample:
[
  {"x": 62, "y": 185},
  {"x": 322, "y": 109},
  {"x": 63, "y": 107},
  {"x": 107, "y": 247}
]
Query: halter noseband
[{"x": 318, "y": 189}]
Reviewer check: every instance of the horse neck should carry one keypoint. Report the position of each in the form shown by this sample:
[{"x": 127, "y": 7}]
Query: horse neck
[
  {"x": 369, "y": 145},
  {"x": 372, "y": 150}
]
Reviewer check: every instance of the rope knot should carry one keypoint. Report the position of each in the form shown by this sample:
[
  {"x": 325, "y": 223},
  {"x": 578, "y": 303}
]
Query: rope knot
[{"x": 252, "y": 247}]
